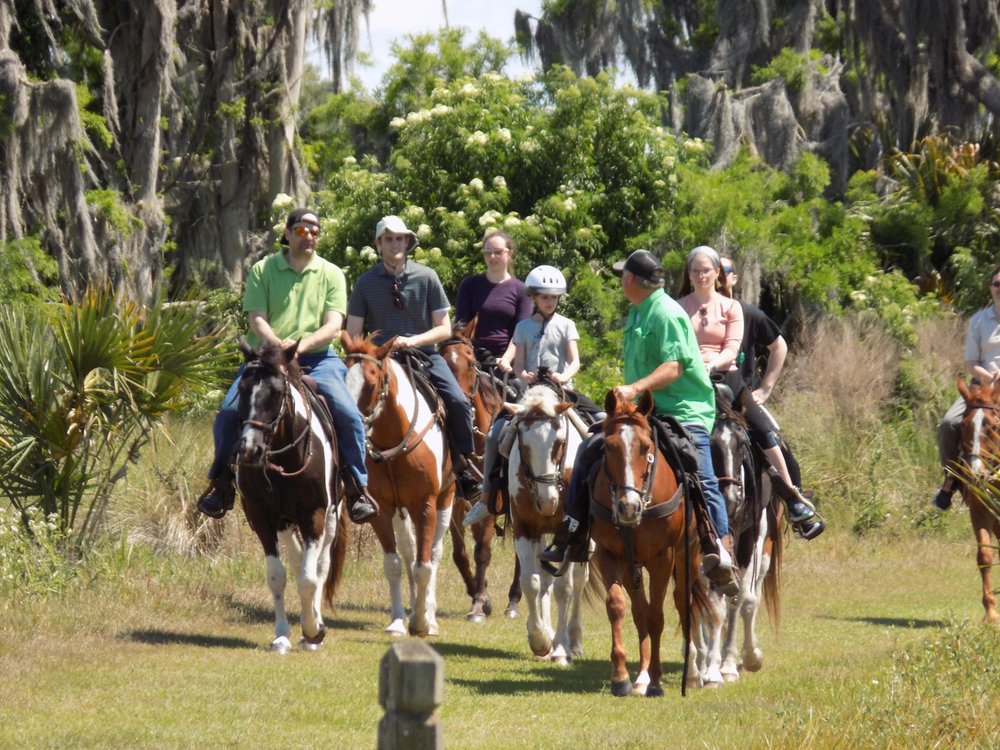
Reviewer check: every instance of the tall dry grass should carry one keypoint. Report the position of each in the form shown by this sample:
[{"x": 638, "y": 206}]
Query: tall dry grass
[{"x": 860, "y": 412}]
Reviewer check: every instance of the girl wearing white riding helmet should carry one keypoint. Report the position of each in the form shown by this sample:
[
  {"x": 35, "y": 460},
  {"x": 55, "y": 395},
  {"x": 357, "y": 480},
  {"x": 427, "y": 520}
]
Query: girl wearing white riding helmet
[{"x": 547, "y": 339}]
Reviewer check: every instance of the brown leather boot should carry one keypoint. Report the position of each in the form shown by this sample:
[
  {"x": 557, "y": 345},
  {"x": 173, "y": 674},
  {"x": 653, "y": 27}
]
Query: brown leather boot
[{"x": 718, "y": 567}]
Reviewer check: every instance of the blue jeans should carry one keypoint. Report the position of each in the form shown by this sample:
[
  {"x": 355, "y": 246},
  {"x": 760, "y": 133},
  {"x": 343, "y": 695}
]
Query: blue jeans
[
  {"x": 592, "y": 449},
  {"x": 328, "y": 370},
  {"x": 457, "y": 407}
]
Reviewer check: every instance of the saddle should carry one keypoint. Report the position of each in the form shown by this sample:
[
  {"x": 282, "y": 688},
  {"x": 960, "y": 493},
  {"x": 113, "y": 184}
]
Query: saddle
[
  {"x": 320, "y": 408},
  {"x": 682, "y": 457}
]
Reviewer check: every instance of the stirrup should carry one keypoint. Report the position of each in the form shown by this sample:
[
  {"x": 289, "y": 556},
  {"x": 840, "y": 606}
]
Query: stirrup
[{"x": 478, "y": 512}]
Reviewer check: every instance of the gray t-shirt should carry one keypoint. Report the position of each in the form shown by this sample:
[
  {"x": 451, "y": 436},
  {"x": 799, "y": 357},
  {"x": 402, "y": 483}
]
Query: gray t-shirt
[
  {"x": 982, "y": 340},
  {"x": 545, "y": 344}
]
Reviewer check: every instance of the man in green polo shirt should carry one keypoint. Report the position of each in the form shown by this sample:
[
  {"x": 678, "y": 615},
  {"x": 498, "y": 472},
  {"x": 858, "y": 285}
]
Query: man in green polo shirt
[
  {"x": 661, "y": 356},
  {"x": 296, "y": 296}
]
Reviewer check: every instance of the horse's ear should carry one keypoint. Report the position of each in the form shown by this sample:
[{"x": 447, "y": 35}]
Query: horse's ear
[
  {"x": 963, "y": 389},
  {"x": 384, "y": 350},
  {"x": 346, "y": 340},
  {"x": 740, "y": 404},
  {"x": 248, "y": 353},
  {"x": 468, "y": 330},
  {"x": 610, "y": 402},
  {"x": 289, "y": 350},
  {"x": 561, "y": 408},
  {"x": 646, "y": 403},
  {"x": 514, "y": 409}
]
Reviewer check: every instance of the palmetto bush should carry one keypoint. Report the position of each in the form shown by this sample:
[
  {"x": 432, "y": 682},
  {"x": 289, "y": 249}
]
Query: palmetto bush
[{"x": 82, "y": 386}]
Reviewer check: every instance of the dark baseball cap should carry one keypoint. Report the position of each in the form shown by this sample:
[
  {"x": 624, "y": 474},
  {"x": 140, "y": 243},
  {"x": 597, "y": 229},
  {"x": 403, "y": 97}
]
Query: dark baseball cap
[
  {"x": 295, "y": 217},
  {"x": 643, "y": 264}
]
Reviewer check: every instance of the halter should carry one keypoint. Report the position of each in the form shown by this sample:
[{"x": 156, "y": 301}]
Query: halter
[
  {"x": 645, "y": 491},
  {"x": 552, "y": 478},
  {"x": 268, "y": 428},
  {"x": 405, "y": 446}
]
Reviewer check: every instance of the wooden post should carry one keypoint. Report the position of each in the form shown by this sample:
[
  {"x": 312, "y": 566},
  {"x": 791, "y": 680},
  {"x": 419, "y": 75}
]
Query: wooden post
[{"x": 411, "y": 687}]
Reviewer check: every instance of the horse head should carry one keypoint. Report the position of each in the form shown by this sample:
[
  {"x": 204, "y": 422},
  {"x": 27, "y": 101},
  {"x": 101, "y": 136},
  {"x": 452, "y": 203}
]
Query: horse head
[
  {"x": 460, "y": 355},
  {"x": 264, "y": 392},
  {"x": 629, "y": 456},
  {"x": 729, "y": 444},
  {"x": 368, "y": 371},
  {"x": 981, "y": 426},
  {"x": 543, "y": 434}
]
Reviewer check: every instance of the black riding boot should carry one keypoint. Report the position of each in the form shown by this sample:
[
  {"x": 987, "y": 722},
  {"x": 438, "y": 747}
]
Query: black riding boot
[
  {"x": 570, "y": 544},
  {"x": 220, "y": 496},
  {"x": 466, "y": 479},
  {"x": 361, "y": 506}
]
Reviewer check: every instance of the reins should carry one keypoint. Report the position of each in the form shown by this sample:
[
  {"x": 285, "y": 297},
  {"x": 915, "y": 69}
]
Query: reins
[{"x": 405, "y": 446}]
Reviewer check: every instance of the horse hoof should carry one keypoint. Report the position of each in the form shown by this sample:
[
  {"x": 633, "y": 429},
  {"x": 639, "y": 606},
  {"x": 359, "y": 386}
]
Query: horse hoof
[
  {"x": 753, "y": 662},
  {"x": 432, "y": 629},
  {"x": 541, "y": 648},
  {"x": 654, "y": 691},
  {"x": 306, "y": 645},
  {"x": 487, "y": 607},
  {"x": 477, "y": 617},
  {"x": 511, "y": 613},
  {"x": 621, "y": 688},
  {"x": 396, "y": 629},
  {"x": 730, "y": 677},
  {"x": 280, "y": 645},
  {"x": 316, "y": 639}
]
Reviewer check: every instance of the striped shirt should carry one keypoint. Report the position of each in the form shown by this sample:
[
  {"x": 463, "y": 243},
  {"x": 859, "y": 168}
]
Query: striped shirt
[{"x": 408, "y": 312}]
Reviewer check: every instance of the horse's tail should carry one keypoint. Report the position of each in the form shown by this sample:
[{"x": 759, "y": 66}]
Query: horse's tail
[
  {"x": 338, "y": 554},
  {"x": 595, "y": 593},
  {"x": 772, "y": 581}
]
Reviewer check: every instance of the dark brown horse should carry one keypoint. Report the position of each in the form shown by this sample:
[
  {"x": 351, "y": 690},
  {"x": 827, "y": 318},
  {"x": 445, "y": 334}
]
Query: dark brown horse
[
  {"x": 410, "y": 474},
  {"x": 487, "y": 404},
  {"x": 978, "y": 474},
  {"x": 286, "y": 472},
  {"x": 641, "y": 522}
]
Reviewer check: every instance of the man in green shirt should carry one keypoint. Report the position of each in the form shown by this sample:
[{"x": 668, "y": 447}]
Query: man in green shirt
[
  {"x": 661, "y": 356},
  {"x": 296, "y": 296}
]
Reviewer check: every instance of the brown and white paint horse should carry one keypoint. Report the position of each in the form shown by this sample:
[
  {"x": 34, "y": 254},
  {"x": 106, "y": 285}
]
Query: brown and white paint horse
[
  {"x": 409, "y": 473},
  {"x": 286, "y": 473},
  {"x": 541, "y": 462},
  {"x": 640, "y": 522},
  {"x": 979, "y": 474}
]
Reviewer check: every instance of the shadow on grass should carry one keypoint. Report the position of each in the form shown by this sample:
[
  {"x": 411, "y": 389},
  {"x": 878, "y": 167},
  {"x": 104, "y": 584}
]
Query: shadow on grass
[
  {"x": 171, "y": 638},
  {"x": 257, "y": 614},
  {"x": 910, "y": 623}
]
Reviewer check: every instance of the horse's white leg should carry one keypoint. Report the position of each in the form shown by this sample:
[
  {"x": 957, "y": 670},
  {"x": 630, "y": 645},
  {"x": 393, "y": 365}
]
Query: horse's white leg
[
  {"x": 392, "y": 566},
  {"x": 580, "y": 573},
  {"x": 539, "y": 638},
  {"x": 437, "y": 552},
  {"x": 753, "y": 655},
  {"x": 711, "y": 673},
  {"x": 406, "y": 544},
  {"x": 276, "y": 582},
  {"x": 730, "y": 667}
]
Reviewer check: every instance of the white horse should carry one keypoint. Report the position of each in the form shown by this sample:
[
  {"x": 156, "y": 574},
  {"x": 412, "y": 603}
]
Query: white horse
[
  {"x": 409, "y": 472},
  {"x": 541, "y": 460}
]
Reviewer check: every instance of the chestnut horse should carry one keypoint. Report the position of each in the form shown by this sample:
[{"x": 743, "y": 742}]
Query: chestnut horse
[
  {"x": 286, "y": 472},
  {"x": 487, "y": 403},
  {"x": 756, "y": 542},
  {"x": 641, "y": 521},
  {"x": 541, "y": 461},
  {"x": 978, "y": 474},
  {"x": 410, "y": 474}
]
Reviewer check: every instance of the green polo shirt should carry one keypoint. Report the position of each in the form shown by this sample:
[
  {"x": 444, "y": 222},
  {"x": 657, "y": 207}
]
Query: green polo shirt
[
  {"x": 295, "y": 303},
  {"x": 660, "y": 331}
]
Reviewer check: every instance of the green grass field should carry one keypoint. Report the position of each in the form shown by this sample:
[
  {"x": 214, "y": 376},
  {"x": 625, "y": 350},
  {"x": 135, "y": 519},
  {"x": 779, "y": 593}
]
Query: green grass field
[{"x": 881, "y": 646}]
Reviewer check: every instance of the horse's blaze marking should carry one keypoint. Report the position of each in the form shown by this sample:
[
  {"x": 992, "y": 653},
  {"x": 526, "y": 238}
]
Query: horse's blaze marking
[{"x": 977, "y": 435}]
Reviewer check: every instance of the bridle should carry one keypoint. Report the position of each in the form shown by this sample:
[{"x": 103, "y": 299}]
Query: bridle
[
  {"x": 553, "y": 478},
  {"x": 268, "y": 428},
  {"x": 407, "y": 444},
  {"x": 645, "y": 491},
  {"x": 987, "y": 407}
]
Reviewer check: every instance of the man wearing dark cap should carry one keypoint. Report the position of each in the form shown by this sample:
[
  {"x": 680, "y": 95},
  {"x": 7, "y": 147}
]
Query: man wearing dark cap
[
  {"x": 661, "y": 356},
  {"x": 296, "y": 296}
]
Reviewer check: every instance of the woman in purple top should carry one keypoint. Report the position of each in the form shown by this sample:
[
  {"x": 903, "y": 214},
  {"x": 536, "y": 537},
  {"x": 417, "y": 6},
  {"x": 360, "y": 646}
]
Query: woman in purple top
[{"x": 496, "y": 296}]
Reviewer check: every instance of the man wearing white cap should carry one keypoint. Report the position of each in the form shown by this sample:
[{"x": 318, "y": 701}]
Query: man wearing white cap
[{"x": 404, "y": 299}]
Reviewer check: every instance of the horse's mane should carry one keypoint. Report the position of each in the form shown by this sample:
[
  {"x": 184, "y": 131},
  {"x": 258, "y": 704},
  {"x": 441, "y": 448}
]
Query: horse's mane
[
  {"x": 273, "y": 357},
  {"x": 541, "y": 398}
]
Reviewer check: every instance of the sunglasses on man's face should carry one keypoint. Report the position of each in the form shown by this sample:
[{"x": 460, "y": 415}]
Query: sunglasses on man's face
[
  {"x": 306, "y": 231},
  {"x": 397, "y": 296},
  {"x": 995, "y": 284}
]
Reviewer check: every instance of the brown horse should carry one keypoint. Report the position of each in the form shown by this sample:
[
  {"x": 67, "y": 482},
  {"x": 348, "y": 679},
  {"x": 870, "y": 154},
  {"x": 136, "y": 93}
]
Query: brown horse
[
  {"x": 286, "y": 472},
  {"x": 641, "y": 520},
  {"x": 978, "y": 474},
  {"x": 410, "y": 474},
  {"x": 487, "y": 404}
]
